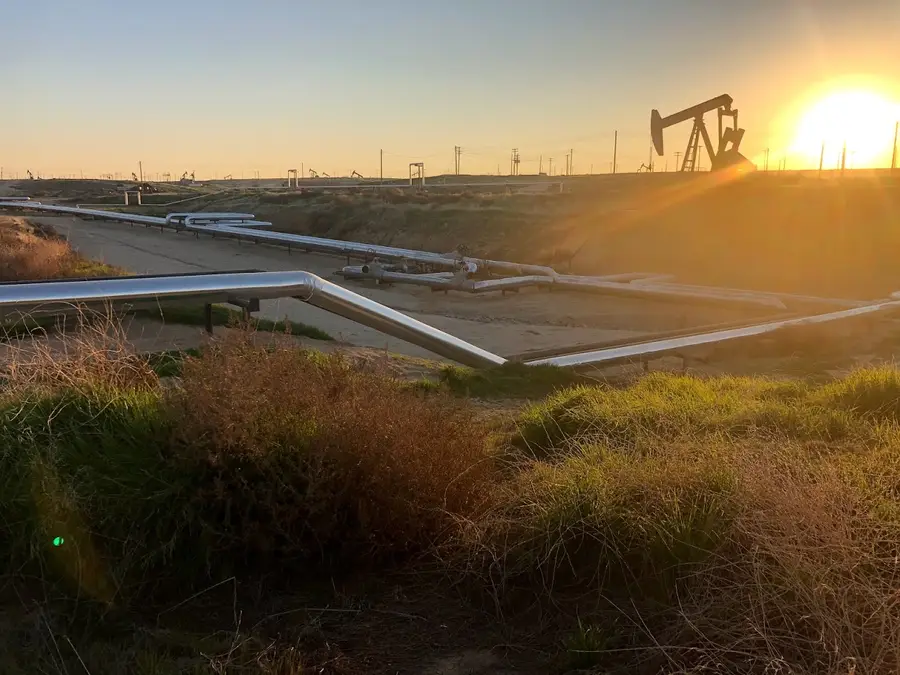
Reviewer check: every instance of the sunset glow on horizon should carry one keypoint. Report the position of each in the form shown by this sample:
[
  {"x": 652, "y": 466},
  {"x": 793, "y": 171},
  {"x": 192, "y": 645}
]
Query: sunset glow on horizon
[{"x": 862, "y": 119}]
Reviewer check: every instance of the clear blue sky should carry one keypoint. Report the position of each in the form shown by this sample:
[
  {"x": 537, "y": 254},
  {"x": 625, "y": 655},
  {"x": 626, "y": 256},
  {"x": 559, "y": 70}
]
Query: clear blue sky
[{"x": 231, "y": 86}]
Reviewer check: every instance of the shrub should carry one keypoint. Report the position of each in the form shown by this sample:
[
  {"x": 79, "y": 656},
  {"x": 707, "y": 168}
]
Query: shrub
[
  {"x": 707, "y": 525},
  {"x": 308, "y": 454}
]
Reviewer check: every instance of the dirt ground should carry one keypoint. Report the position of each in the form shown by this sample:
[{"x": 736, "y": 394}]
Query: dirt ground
[{"x": 503, "y": 324}]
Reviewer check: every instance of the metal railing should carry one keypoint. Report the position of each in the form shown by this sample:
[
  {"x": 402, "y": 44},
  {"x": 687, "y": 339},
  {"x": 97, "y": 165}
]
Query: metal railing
[{"x": 22, "y": 298}]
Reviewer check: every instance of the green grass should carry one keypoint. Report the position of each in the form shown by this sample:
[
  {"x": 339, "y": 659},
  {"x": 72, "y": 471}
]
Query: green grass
[
  {"x": 511, "y": 380},
  {"x": 84, "y": 267},
  {"x": 671, "y": 406},
  {"x": 696, "y": 514},
  {"x": 224, "y": 316},
  {"x": 170, "y": 363}
]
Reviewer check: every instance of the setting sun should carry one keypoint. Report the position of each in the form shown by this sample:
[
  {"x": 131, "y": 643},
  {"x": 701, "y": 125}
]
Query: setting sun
[{"x": 863, "y": 119}]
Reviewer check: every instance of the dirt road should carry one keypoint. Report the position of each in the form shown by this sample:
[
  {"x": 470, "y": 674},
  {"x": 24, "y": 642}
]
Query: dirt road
[{"x": 502, "y": 324}]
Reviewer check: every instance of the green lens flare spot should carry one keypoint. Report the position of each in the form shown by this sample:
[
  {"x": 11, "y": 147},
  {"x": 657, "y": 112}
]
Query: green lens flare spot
[{"x": 58, "y": 541}]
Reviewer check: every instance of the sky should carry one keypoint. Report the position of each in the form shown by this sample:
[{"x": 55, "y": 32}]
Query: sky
[{"x": 237, "y": 86}]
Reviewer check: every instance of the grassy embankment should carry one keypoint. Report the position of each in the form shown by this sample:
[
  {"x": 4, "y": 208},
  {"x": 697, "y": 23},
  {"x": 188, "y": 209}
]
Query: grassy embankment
[{"x": 676, "y": 525}]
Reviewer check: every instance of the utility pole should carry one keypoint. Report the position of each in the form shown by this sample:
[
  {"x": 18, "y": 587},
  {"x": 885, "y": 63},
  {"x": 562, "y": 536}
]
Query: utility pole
[
  {"x": 615, "y": 149},
  {"x": 571, "y": 161},
  {"x": 381, "y": 164},
  {"x": 141, "y": 170},
  {"x": 550, "y": 169},
  {"x": 821, "y": 158},
  {"x": 844, "y": 158},
  {"x": 677, "y": 158},
  {"x": 457, "y": 151},
  {"x": 894, "y": 153},
  {"x": 541, "y": 165},
  {"x": 767, "y": 160}
]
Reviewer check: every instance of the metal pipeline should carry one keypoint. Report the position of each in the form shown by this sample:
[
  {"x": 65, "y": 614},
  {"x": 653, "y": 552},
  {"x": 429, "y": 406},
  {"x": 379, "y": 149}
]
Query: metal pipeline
[
  {"x": 250, "y": 224},
  {"x": 368, "y": 251},
  {"x": 92, "y": 213},
  {"x": 640, "y": 284},
  {"x": 563, "y": 282},
  {"x": 661, "y": 292},
  {"x": 200, "y": 217},
  {"x": 17, "y": 298},
  {"x": 643, "y": 349},
  {"x": 784, "y": 297},
  {"x": 318, "y": 244},
  {"x": 635, "y": 277}
]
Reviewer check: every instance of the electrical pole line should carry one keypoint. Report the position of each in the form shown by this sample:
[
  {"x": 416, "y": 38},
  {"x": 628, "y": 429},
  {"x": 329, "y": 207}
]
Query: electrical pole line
[
  {"x": 677, "y": 158},
  {"x": 615, "y": 149},
  {"x": 571, "y": 161},
  {"x": 541, "y": 165},
  {"x": 821, "y": 158},
  {"x": 550, "y": 168},
  {"x": 894, "y": 152},
  {"x": 381, "y": 165}
]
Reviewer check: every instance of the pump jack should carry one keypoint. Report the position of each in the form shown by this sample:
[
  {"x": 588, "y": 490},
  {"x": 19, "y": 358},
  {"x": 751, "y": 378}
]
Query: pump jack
[
  {"x": 356, "y": 174},
  {"x": 724, "y": 155}
]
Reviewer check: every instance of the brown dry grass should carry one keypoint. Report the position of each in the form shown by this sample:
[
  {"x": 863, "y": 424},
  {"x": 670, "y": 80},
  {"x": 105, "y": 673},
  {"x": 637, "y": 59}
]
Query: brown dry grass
[
  {"x": 735, "y": 525},
  {"x": 730, "y": 525},
  {"x": 377, "y": 467},
  {"x": 95, "y": 355},
  {"x": 29, "y": 253}
]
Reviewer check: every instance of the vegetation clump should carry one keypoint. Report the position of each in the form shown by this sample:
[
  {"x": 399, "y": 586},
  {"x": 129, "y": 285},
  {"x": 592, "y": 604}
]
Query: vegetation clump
[{"x": 676, "y": 524}]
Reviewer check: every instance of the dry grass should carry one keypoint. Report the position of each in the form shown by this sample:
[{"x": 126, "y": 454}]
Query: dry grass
[
  {"x": 380, "y": 468},
  {"x": 29, "y": 253},
  {"x": 677, "y": 525},
  {"x": 735, "y": 525},
  {"x": 95, "y": 355}
]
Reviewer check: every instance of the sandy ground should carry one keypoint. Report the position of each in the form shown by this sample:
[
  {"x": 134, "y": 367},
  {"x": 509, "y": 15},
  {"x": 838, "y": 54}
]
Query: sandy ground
[{"x": 503, "y": 324}]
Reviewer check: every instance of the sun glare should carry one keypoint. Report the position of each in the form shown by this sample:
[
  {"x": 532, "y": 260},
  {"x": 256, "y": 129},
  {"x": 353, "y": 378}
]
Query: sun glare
[{"x": 862, "y": 119}]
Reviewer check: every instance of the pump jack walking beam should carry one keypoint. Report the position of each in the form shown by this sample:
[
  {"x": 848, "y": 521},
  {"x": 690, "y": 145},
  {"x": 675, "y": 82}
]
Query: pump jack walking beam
[{"x": 720, "y": 155}]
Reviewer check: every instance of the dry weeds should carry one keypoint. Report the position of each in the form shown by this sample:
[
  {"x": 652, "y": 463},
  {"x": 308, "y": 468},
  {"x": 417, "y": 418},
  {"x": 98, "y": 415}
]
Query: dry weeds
[
  {"x": 29, "y": 253},
  {"x": 678, "y": 525}
]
